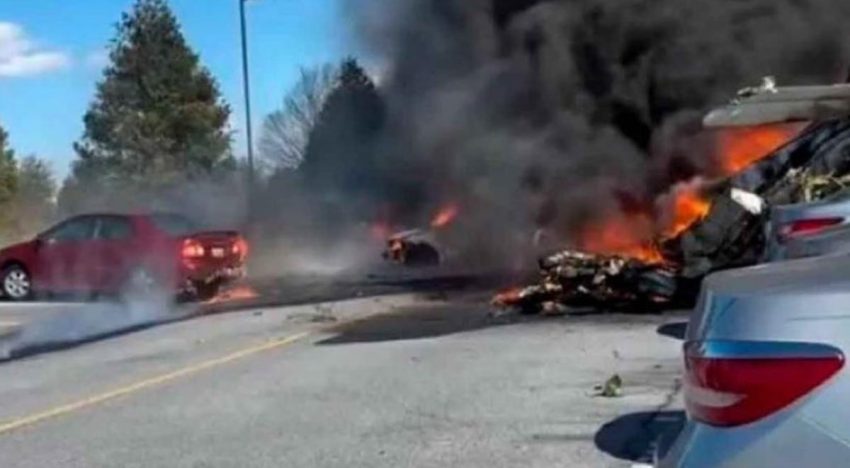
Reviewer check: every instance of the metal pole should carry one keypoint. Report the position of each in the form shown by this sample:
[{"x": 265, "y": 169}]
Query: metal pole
[{"x": 247, "y": 91}]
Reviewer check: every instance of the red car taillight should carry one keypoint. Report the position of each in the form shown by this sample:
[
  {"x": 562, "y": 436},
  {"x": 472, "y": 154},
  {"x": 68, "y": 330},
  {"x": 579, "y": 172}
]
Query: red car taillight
[
  {"x": 725, "y": 390},
  {"x": 808, "y": 226},
  {"x": 191, "y": 250},
  {"x": 240, "y": 248}
]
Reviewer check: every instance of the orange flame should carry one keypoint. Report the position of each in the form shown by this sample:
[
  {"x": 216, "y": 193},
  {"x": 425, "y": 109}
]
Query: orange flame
[
  {"x": 508, "y": 297},
  {"x": 739, "y": 147},
  {"x": 446, "y": 215},
  {"x": 627, "y": 235},
  {"x": 236, "y": 293},
  {"x": 634, "y": 235},
  {"x": 689, "y": 206}
]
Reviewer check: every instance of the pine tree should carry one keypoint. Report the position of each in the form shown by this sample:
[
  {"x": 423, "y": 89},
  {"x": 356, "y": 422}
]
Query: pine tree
[
  {"x": 157, "y": 117},
  {"x": 340, "y": 150},
  {"x": 33, "y": 204}
]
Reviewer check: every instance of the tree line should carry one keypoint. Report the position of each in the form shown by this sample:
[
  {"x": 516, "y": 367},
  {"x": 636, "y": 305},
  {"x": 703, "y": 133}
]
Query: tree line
[
  {"x": 27, "y": 189},
  {"x": 157, "y": 128}
]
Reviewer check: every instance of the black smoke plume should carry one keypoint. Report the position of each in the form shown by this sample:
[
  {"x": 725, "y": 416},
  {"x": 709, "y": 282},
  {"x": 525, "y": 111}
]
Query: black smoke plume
[{"x": 533, "y": 113}]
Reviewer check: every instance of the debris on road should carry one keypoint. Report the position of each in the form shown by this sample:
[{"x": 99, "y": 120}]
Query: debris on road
[
  {"x": 324, "y": 314},
  {"x": 571, "y": 277},
  {"x": 612, "y": 388},
  {"x": 323, "y": 318}
]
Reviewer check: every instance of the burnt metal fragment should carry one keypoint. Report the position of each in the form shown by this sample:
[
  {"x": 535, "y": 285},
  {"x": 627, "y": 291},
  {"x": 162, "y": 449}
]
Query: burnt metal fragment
[
  {"x": 412, "y": 248},
  {"x": 578, "y": 278}
]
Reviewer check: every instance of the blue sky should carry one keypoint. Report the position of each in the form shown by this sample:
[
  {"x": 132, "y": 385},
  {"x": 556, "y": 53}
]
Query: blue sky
[{"x": 52, "y": 54}]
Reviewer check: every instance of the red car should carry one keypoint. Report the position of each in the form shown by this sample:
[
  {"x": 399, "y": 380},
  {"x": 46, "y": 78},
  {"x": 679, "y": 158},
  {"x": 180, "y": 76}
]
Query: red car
[{"x": 123, "y": 254}]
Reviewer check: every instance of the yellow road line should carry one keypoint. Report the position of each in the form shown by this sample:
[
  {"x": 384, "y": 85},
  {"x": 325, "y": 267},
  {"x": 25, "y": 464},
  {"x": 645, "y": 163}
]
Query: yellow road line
[{"x": 146, "y": 383}]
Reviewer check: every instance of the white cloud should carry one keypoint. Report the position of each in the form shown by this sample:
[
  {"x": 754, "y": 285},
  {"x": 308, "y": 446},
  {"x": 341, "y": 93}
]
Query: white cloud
[{"x": 20, "y": 56}]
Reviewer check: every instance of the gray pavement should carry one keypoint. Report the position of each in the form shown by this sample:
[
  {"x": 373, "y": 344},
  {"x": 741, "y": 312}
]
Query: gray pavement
[{"x": 390, "y": 381}]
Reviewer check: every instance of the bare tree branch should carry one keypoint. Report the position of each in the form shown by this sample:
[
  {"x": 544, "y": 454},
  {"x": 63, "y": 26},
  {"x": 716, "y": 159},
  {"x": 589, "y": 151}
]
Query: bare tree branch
[{"x": 285, "y": 131}]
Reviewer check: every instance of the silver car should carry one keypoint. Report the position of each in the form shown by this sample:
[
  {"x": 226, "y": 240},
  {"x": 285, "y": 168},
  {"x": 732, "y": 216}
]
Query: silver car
[
  {"x": 765, "y": 378},
  {"x": 809, "y": 229}
]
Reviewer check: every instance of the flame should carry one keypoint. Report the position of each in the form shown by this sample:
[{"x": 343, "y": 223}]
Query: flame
[
  {"x": 446, "y": 215},
  {"x": 739, "y": 147},
  {"x": 625, "y": 235},
  {"x": 689, "y": 206},
  {"x": 635, "y": 234},
  {"x": 236, "y": 293},
  {"x": 508, "y": 297}
]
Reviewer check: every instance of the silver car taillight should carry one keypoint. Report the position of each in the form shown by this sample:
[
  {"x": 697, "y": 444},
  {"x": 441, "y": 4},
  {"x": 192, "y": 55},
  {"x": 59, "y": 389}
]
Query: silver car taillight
[
  {"x": 810, "y": 226},
  {"x": 730, "y": 383}
]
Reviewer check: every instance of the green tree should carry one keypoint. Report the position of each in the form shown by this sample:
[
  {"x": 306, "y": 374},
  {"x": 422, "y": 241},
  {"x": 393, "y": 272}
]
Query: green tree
[
  {"x": 340, "y": 157},
  {"x": 8, "y": 181},
  {"x": 157, "y": 117},
  {"x": 33, "y": 204}
]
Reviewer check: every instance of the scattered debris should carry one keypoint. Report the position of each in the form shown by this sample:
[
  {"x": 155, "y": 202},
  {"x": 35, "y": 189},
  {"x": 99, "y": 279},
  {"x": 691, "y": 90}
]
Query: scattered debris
[
  {"x": 324, "y": 314},
  {"x": 612, "y": 388},
  {"x": 577, "y": 278},
  {"x": 323, "y": 318},
  {"x": 817, "y": 187},
  {"x": 812, "y": 165}
]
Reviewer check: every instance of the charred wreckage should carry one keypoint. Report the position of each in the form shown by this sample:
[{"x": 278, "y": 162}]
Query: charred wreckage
[
  {"x": 808, "y": 164},
  {"x": 813, "y": 165}
]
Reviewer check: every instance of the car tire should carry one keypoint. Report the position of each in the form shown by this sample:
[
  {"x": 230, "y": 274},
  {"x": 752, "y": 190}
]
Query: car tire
[{"x": 16, "y": 283}]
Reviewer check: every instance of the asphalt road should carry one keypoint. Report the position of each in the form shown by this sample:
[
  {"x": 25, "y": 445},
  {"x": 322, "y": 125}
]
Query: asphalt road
[{"x": 391, "y": 381}]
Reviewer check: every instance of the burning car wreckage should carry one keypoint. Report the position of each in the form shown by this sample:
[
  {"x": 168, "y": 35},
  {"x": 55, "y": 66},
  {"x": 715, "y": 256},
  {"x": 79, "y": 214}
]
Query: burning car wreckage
[
  {"x": 418, "y": 247},
  {"x": 807, "y": 161},
  {"x": 806, "y": 165}
]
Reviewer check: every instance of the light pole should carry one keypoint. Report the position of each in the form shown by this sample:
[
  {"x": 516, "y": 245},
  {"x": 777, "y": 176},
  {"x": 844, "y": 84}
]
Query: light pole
[{"x": 247, "y": 90}]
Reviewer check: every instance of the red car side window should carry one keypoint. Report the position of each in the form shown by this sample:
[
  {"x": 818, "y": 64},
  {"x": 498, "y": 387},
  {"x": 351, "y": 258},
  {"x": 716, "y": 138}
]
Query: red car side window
[
  {"x": 114, "y": 228},
  {"x": 72, "y": 230}
]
